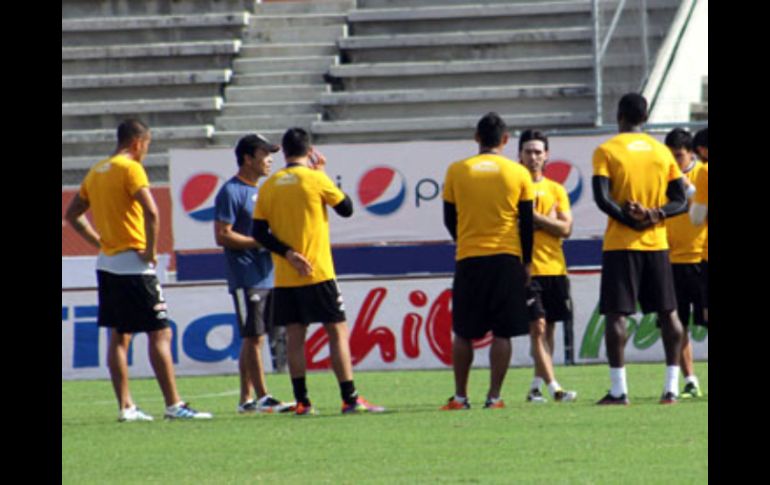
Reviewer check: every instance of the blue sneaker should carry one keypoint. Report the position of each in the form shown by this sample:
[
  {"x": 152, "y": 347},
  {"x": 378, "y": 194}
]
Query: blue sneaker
[{"x": 184, "y": 411}]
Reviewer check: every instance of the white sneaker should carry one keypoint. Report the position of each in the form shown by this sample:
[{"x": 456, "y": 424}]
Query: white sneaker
[
  {"x": 534, "y": 395},
  {"x": 184, "y": 411},
  {"x": 133, "y": 414},
  {"x": 564, "y": 396},
  {"x": 247, "y": 407},
  {"x": 269, "y": 404}
]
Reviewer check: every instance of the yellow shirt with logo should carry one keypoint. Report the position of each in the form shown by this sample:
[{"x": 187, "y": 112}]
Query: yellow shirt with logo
[
  {"x": 639, "y": 168},
  {"x": 547, "y": 253},
  {"x": 702, "y": 197},
  {"x": 109, "y": 188},
  {"x": 486, "y": 190},
  {"x": 293, "y": 202},
  {"x": 685, "y": 240}
]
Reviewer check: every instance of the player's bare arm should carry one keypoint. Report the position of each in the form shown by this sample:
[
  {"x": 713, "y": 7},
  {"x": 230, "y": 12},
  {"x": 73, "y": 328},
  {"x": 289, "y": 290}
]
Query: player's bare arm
[
  {"x": 75, "y": 216},
  {"x": 556, "y": 223},
  {"x": 227, "y": 238},
  {"x": 151, "y": 224}
]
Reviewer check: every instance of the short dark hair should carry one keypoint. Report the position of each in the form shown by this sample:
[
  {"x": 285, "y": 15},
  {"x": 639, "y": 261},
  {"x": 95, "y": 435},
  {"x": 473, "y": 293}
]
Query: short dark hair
[
  {"x": 701, "y": 138},
  {"x": 632, "y": 108},
  {"x": 249, "y": 144},
  {"x": 679, "y": 138},
  {"x": 131, "y": 129},
  {"x": 491, "y": 129},
  {"x": 295, "y": 143},
  {"x": 529, "y": 135}
]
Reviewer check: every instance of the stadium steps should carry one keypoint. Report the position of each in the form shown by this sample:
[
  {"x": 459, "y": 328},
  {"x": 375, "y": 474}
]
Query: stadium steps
[
  {"x": 279, "y": 75},
  {"x": 419, "y": 64}
]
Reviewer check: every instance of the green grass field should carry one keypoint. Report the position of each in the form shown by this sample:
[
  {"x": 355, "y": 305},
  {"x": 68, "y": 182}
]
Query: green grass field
[{"x": 412, "y": 443}]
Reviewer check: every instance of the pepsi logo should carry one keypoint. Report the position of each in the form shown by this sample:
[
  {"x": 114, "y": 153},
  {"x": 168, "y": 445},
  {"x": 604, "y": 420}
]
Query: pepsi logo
[
  {"x": 568, "y": 175},
  {"x": 382, "y": 190},
  {"x": 198, "y": 195}
]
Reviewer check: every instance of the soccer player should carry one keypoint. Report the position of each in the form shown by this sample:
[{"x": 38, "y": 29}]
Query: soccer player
[
  {"x": 130, "y": 299},
  {"x": 488, "y": 211},
  {"x": 685, "y": 242},
  {"x": 548, "y": 294},
  {"x": 638, "y": 184},
  {"x": 291, "y": 221},
  {"x": 249, "y": 268},
  {"x": 699, "y": 210}
]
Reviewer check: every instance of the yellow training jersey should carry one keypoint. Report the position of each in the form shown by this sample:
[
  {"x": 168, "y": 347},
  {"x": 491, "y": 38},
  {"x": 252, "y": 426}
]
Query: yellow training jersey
[
  {"x": 702, "y": 197},
  {"x": 293, "y": 202},
  {"x": 486, "y": 190},
  {"x": 109, "y": 188},
  {"x": 639, "y": 168},
  {"x": 685, "y": 240},
  {"x": 547, "y": 253}
]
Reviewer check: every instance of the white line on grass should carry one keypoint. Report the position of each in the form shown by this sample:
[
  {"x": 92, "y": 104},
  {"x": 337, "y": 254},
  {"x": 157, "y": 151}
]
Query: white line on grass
[{"x": 198, "y": 396}]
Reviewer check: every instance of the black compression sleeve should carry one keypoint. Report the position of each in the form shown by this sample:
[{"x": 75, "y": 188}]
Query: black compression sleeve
[
  {"x": 601, "y": 188},
  {"x": 526, "y": 230},
  {"x": 677, "y": 198},
  {"x": 261, "y": 233},
  {"x": 344, "y": 208},
  {"x": 450, "y": 219}
]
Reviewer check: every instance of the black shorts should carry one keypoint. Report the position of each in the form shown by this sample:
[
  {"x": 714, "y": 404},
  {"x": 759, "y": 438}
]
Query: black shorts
[
  {"x": 548, "y": 297},
  {"x": 705, "y": 275},
  {"x": 628, "y": 276},
  {"x": 321, "y": 302},
  {"x": 488, "y": 293},
  {"x": 131, "y": 303},
  {"x": 252, "y": 309},
  {"x": 688, "y": 285}
]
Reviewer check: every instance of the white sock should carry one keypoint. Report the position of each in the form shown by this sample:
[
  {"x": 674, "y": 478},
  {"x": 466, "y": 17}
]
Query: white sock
[
  {"x": 174, "y": 406},
  {"x": 618, "y": 380},
  {"x": 537, "y": 382},
  {"x": 460, "y": 399},
  {"x": 553, "y": 387},
  {"x": 692, "y": 379},
  {"x": 672, "y": 379}
]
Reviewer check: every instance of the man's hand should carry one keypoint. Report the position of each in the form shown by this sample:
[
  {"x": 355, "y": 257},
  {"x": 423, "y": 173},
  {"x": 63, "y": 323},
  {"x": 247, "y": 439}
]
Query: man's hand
[
  {"x": 635, "y": 210},
  {"x": 528, "y": 274},
  {"x": 148, "y": 256},
  {"x": 317, "y": 159},
  {"x": 299, "y": 262}
]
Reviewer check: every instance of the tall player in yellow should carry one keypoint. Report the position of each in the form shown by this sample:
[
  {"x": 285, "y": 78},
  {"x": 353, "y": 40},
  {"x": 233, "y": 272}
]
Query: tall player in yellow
[
  {"x": 638, "y": 184},
  {"x": 700, "y": 208},
  {"x": 291, "y": 220},
  {"x": 549, "y": 299},
  {"x": 685, "y": 242},
  {"x": 488, "y": 211}
]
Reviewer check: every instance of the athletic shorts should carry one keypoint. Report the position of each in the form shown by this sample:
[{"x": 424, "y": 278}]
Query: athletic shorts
[
  {"x": 488, "y": 293},
  {"x": 131, "y": 303},
  {"x": 549, "y": 298},
  {"x": 705, "y": 275},
  {"x": 690, "y": 297},
  {"x": 252, "y": 310},
  {"x": 321, "y": 302},
  {"x": 631, "y": 276}
]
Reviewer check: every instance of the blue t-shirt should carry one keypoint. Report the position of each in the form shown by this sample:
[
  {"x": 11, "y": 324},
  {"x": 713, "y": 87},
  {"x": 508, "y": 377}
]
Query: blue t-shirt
[{"x": 251, "y": 268}]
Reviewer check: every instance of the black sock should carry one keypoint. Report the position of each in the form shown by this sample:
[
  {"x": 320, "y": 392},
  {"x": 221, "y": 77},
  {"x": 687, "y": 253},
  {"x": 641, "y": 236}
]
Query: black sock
[
  {"x": 300, "y": 390},
  {"x": 348, "y": 391}
]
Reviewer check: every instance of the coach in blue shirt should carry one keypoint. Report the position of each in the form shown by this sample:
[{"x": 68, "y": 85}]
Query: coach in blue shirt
[{"x": 249, "y": 271}]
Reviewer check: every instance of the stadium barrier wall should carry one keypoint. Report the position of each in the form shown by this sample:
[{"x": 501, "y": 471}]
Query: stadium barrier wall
[{"x": 396, "y": 323}]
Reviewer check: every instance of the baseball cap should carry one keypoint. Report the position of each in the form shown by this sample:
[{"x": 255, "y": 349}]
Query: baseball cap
[{"x": 251, "y": 142}]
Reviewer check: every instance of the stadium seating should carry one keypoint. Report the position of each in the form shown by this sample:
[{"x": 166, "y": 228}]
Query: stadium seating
[{"x": 420, "y": 70}]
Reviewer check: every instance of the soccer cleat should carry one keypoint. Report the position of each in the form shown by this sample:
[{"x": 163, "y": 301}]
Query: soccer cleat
[
  {"x": 304, "y": 409},
  {"x": 248, "y": 407},
  {"x": 269, "y": 404},
  {"x": 565, "y": 396},
  {"x": 691, "y": 390},
  {"x": 454, "y": 405},
  {"x": 668, "y": 398},
  {"x": 361, "y": 406},
  {"x": 133, "y": 414},
  {"x": 494, "y": 403},
  {"x": 184, "y": 411},
  {"x": 610, "y": 399},
  {"x": 534, "y": 395}
]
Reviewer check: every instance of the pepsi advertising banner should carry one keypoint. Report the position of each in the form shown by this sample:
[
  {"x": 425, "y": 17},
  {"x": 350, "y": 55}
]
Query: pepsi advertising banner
[
  {"x": 394, "y": 324},
  {"x": 396, "y": 188}
]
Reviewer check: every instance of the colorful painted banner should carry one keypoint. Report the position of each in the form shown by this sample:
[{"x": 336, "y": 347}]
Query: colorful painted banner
[{"x": 395, "y": 324}]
